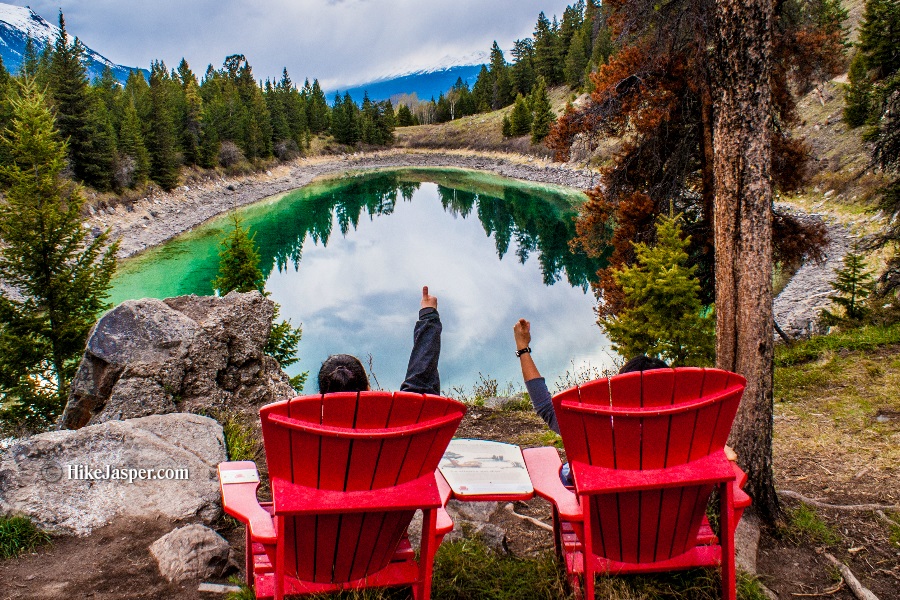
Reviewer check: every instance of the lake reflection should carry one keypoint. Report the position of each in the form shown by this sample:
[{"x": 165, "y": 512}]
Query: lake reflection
[{"x": 347, "y": 259}]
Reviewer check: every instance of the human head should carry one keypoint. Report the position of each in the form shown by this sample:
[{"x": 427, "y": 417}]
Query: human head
[
  {"x": 342, "y": 373},
  {"x": 642, "y": 363}
]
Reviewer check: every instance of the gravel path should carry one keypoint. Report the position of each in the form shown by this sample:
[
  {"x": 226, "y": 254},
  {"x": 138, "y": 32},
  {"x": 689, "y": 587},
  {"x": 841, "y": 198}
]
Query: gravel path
[{"x": 157, "y": 218}]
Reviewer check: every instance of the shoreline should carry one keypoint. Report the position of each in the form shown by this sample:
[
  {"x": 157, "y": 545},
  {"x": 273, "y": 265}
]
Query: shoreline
[{"x": 159, "y": 217}]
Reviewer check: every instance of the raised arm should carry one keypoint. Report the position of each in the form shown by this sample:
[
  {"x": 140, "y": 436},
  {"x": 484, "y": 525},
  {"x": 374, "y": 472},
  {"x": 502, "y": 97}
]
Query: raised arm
[
  {"x": 537, "y": 387},
  {"x": 422, "y": 372}
]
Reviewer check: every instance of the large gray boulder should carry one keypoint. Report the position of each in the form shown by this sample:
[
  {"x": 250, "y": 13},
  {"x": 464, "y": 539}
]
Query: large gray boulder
[
  {"x": 184, "y": 354},
  {"x": 51, "y": 477}
]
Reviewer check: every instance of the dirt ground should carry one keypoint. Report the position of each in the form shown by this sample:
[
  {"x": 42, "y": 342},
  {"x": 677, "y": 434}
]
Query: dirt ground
[{"x": 114, "y": 562}]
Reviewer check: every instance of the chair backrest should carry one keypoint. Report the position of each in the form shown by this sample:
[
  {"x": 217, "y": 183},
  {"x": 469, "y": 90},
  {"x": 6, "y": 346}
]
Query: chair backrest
[
  {"x": 641, "y": 421},
  {"x": 353, "y": 442}
]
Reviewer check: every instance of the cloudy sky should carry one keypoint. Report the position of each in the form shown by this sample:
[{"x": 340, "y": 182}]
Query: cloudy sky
[{"x": 342, "y": 42}]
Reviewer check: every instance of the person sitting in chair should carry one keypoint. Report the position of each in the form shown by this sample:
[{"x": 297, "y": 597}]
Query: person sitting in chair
[
  {"x": 345, "y": 373},
  {"x": 537, "y": 387}
]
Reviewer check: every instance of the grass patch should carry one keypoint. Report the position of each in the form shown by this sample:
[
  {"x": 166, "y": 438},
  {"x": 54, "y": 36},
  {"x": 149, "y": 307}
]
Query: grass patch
[
  {"x": 19, "y": 535},
  {"x": 863, "y": 338},
  {"x": 805, "y": 526},
  {"x": 241, "y": 441},
  {"x": 522, "y": 404},
  {"x": 468, "y": 570}
]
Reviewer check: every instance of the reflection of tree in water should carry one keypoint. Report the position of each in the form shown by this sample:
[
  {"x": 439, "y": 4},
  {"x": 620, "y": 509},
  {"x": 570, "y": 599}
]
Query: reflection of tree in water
[{"x": 535, "y": 224}]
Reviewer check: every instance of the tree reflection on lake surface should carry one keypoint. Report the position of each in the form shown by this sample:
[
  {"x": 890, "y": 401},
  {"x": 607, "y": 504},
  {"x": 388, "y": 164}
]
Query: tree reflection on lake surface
[{"x": 347, "y": 258}]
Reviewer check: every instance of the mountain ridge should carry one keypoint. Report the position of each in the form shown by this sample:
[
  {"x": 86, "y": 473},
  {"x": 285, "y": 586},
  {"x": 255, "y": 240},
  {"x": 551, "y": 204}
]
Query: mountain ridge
[{"x": 18, "y": 23}]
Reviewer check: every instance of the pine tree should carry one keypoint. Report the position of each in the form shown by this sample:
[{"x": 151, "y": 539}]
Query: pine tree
[
  {"x": 134, "y": 157},
  {"x": 59, "y": 274},
  {"x": 239, "y": 271},
  {"x": 317, "y": 113},
  {"x": 404, "y": 116},
  {"x": 547, "y": 61},
  {"x": 90, "y": 149},
  {"x": 858, "y": 98},
  {"x": 506, "y": 127},
  {"x": 501, "y": 92},
  {"x": 854, "y": 284},
  {"x": 879, "y": 36},
  {"x": 520, "y": 118},
  {"x": 663, "y": 316},
  {"x": 522, "y": 71},
  {"x": 161, "y": 134},
  {"x": 239, "y": 262},
  {"x": 543, "y": 112},
  {"x": 576, "y": 60}
]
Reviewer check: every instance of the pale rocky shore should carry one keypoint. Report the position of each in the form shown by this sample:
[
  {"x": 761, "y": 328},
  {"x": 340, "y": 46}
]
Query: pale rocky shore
[{"x": 162, "y": 216}]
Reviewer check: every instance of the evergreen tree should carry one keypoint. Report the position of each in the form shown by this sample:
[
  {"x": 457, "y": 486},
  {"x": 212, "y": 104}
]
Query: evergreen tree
[
  {"x": 404, "y": 116},
  {"x": 191, "y": 120},
  {"x": 522, "y": 71},
  {"x": 161, "y": 135},
  {"x": 879, "y": 36},
  {"x": 501, "y": 92},
  {"x": 90, "y": 149},
  {"x": 30, "y": 59},
  {"x": 506, "y": 127},
  {"x": 317, "y": 113},
  {"x": 239, "y": 271},
  {"x": 547, "y": 61},
  {"x": 519, "y": 118},
  {"x": 662, "y": 315},
  {"x": 858, "y": 98},
  {"x": 542, "y": 111},
  {"x": 854, "y": 285},
  {"x": 134, "y": 158},
  {"x": 239, "y": 262},
  {"x": 57, "y": 273},
  {"x": 483, "y": 90},
  {"x": 576, "y": 60}
]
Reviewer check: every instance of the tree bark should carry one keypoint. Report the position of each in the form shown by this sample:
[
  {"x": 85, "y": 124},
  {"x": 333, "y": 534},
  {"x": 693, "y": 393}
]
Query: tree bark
[{"x": 743, "y": 231}]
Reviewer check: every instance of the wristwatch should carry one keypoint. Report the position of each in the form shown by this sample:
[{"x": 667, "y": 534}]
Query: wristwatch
[{"x": 525, "y": 350}]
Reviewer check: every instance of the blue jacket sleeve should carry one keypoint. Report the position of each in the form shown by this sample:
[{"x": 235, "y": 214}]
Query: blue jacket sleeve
[
  {"x": 543, "y": 405},
  {"x": 422, "y": 373}
]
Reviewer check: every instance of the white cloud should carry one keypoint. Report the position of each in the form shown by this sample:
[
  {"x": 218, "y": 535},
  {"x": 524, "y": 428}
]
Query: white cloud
[{"x": 340, "y": 42}]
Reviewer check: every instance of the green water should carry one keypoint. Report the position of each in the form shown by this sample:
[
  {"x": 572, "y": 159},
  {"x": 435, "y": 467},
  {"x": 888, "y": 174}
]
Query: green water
[{"x": 347, "y": 258}]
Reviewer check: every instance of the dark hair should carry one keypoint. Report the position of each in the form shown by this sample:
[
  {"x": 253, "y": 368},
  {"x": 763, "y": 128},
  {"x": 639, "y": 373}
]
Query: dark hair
[
  {"x": 342, "y": 373},
  {"x": 642, "y": 363}
]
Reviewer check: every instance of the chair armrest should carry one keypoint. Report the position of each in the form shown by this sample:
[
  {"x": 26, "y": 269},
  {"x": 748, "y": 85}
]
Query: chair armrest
[
  {"x": 239, "y": 500},
  {"x": 543, "y": 466},
  {"x": 711, "y": 469},
  {"x": 741, "y": 499},
  {"x": 444, "y": 522}
]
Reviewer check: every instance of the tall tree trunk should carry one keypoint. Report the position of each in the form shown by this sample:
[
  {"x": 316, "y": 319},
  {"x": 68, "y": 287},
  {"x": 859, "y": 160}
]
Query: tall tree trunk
[{"x": 743, "y": 230}]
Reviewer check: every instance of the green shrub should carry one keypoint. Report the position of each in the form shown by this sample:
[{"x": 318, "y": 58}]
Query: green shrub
[{"x": 19, "y": 535}]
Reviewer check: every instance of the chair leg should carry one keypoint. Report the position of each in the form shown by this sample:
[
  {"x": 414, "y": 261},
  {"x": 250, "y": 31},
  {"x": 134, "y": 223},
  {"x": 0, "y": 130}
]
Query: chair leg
[
  {"x": 726, "y": 540},
  {"x": 427, "y": 550},
  {"x": 587, "y": 552},
  {"x": 279, "y": 559},
  {"x": 248, "y": 558}
]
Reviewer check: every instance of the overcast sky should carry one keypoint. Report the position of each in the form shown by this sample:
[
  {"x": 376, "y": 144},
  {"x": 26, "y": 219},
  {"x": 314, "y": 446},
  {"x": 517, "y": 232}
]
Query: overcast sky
[{"x": 341, "y": 42}]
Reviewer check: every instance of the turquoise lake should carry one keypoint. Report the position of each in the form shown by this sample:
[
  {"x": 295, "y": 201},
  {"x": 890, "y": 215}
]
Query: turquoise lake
[{"x": 347, "y": 259}]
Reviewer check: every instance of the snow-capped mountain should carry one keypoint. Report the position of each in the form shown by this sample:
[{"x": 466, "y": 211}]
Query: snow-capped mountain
[
  {"x": 17, "y": 23},
  {"x": 424, "y": 82}
]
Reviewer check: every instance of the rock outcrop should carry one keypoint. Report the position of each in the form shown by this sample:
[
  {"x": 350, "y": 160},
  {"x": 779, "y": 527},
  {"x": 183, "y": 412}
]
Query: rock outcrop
[
  {"x": 74, "y": 481},
  {"x": 182, "y": 354},
  {"x": 192, "y": 552}
]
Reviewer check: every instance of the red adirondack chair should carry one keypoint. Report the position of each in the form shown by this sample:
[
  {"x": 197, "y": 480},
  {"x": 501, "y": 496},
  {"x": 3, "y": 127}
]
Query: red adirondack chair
[
  {"x": 646, "y": 451},
  {"x": 348, "y": 471}
]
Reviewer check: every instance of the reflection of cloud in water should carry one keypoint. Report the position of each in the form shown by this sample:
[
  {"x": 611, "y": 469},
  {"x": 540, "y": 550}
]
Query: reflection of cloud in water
[{"x": 361, "y": 293}]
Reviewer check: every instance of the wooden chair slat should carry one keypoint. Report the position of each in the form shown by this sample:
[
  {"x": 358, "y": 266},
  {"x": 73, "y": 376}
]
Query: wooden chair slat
[
  {"x": 338, "y": 410},
  {"x": 625, "y": 390},
  {"x": 327, "y": 531},
  {"x": 305, "y": 449},
  {"x": 654, "y": 441},
  {"x": 406, "y": 412},
  {"x": 348, "y": 547},
  {"x": 629, "y": 525},
  {"x": 682, "y": 538},
  {"x": 599, "y": 441},
  {"x": 658, "y": 387},
  {"x": 665, "y": 536},
  {"x": 571, "y": 426},
  {"x": 593, "y": 392},
  {"x": 688, "y": 384},
  {"x": 682, "y": 427},
  {"x": 651, "y": 515},
  {"x": 704, "y": 431},
  {"x": 627, "y": 442},
  {"x": 714, "y": 380},
  {"x": 606, "y": 510}
]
